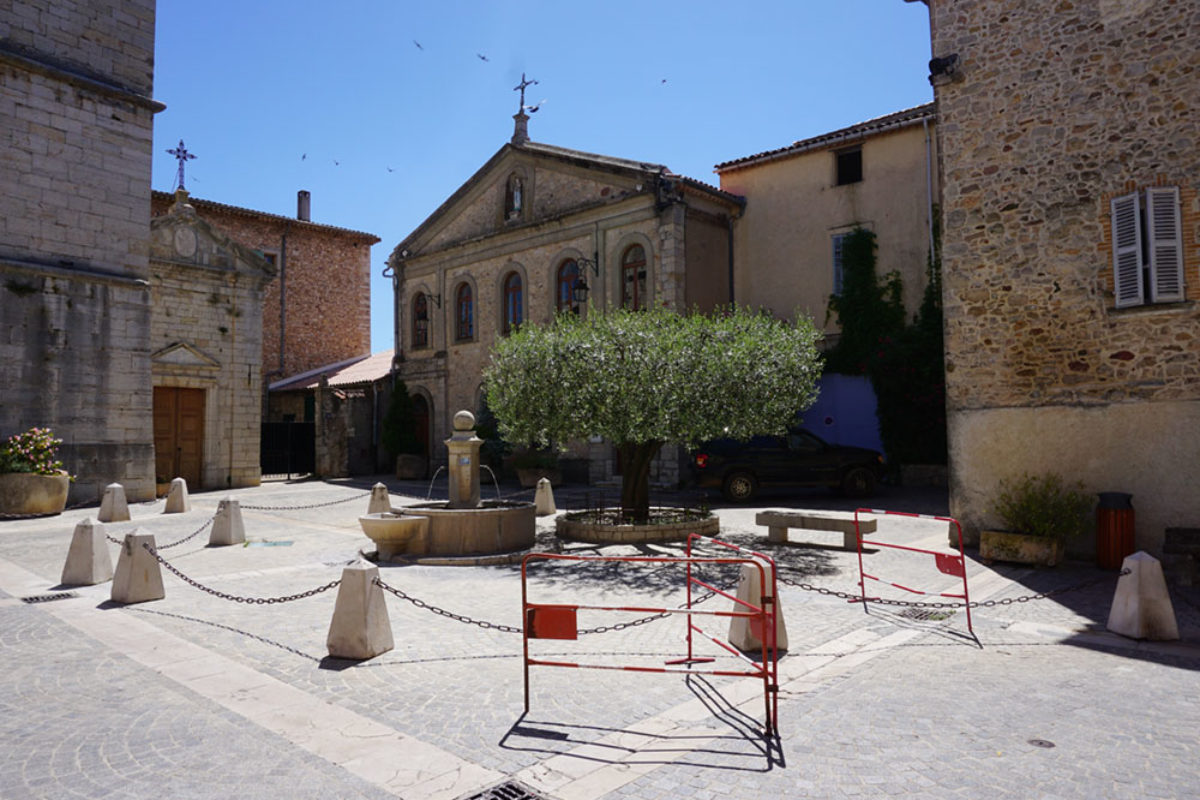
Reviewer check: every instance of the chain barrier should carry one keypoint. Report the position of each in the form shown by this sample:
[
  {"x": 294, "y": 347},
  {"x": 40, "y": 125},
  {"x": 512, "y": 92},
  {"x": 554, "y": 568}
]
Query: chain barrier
[
  {"x": 237, "y": 598},
  {"x": 495, "y": 626},
  {"x": 310, "y": 505},
  {"x": 187, "y": 538},
  {"x": 1005, "y": 601}
]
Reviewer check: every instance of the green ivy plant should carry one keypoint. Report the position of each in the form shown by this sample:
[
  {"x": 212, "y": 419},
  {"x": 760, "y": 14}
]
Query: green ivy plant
[
  {"x": 35, "y": 450},
  {"x": 1044, "y": 506}
]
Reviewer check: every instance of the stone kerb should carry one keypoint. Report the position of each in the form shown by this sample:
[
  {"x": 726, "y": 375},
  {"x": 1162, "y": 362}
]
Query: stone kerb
[
  {"x": 583, "y": 530},
  {"x": 360, "y": 628},
  {"x": 228, "y": 528},
  {"x": 543, "y": 499},
  {"x": 1141, "y": 607},
  {"x": 88, "y": 560},
  {"x": 114, "y": 507},
  {"x": 138, "y": 577},
  {"x": 177, "y": 498}
]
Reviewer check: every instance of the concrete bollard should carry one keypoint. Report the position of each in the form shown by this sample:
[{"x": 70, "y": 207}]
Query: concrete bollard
[
  {"x": 177, "y": 498},
  {"x": 88, "y": 560},
  {"x": 138, "y": 577},
  {"x": 745, "y": 633},
  {"x": 543, "y": 498},
  {"x": 360, "y": 628},
  {"x": 1141, "y": 607},
  {"x": 227, "y": 527},
  {"x": 380, "y": 502},
  {"x": 113, "y": 507}
]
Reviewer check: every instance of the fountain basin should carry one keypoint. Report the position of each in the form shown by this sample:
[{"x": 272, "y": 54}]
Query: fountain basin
[{"x": 497, "y": 526}]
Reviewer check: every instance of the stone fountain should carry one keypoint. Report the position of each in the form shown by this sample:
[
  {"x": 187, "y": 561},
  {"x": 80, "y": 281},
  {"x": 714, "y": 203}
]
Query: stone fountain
[{"x": 464, "y": 525}]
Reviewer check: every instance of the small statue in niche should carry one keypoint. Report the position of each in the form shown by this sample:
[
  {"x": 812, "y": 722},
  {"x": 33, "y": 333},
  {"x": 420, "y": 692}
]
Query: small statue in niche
[{"x": 512, "y": 198}]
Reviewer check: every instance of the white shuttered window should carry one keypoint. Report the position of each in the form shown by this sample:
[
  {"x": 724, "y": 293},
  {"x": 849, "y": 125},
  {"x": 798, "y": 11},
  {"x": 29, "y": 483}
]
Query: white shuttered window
[
  {"x": 1127, "y": 250},
  {"x": 1165, "y": 245},
  {"x": 1147, "y": 241}
]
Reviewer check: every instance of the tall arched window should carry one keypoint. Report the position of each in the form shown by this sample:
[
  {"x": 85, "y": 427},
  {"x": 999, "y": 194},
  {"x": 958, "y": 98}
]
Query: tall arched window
[
  {"x": 633, "y": 278},
  {"x": 464, "y": 313},
  {"x": 420, "y": 321},
  {"x": 567, "y": 277},
  {"x": 513, "y": 305}
]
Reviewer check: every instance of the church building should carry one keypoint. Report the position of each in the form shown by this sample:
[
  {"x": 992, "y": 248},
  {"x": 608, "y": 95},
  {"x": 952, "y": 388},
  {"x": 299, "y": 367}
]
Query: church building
[{"x": 533, "y": 232}]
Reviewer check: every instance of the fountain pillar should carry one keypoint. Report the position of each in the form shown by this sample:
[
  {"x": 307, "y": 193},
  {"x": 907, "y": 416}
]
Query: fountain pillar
[{"x": 464, "y": 446}]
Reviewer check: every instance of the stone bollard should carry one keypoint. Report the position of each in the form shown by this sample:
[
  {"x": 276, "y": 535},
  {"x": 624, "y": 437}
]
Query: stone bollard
[
  {"x": 88, "y": 560},
  {"x": 360, "y": 628},
  {"x": 113, "y": 507},
  {"x": 744, "y": 633},
  {"x": 1141, "y": 607},
  {"x": 138, "y": 577},
  {"x": 380, "y": 502},
  {"x": 227, "y": 527},
  {"x": 543, "y": 499},
  {"x": 177, "y": 498}
]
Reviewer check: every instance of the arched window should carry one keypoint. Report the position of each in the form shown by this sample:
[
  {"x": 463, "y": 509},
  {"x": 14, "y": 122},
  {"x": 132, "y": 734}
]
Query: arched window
[
  {"x": 464, "y": 313},
  {"x": 513, "y": 305},
  {"x": 420, "y": 321},
  {"x": 567, "y": 277},
  {"x": 633, "y": 278}
]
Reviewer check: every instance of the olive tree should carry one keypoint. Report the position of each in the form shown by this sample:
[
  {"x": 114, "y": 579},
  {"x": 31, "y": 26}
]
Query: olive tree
[{"x": 642, "y": 379}]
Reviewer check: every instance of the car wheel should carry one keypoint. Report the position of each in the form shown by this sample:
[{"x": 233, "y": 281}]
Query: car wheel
[
  {"x": 859, "y": 482},
  {"x": 739, "y": 486}
]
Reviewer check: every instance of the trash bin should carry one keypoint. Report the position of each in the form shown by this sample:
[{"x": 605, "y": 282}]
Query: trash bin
[{"x": 1114, "y": 529}]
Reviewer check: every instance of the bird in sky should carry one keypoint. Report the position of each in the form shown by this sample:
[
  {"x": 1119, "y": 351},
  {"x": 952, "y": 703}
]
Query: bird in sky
[
  {"x": 418, "y": 44},
  {"x": 533, "y": 108},
  {"x": 303, "y": 156},
  {"x": 664, "y": 80},
  {"x": 389, "y": 169},
  {"x": 482, "y": 57},
  {"x": 337, "y": 163}
]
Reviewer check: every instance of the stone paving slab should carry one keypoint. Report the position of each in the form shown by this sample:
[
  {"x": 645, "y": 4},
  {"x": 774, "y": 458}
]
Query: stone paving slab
[{"x": 874, "y": 702}]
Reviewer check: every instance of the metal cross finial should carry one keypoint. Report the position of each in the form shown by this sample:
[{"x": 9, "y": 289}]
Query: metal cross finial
[
  {"x": 518, "y": 88},
  {"x": 182, "y": 156}
]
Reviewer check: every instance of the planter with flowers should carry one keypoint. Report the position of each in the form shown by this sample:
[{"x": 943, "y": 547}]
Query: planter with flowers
[{"x": 32, "y": 479}]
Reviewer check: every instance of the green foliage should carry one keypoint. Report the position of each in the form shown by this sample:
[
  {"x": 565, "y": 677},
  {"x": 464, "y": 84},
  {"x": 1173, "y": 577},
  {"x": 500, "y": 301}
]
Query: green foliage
[
  {"x": 494, "y": 447},
  {"x": 398, "y": 430},
  {"x": 35, "y": 451},
  {"x": 652, "y": 376},
  {"x": 867, "y": 310},
  {"x": 1044, "y": 505}
]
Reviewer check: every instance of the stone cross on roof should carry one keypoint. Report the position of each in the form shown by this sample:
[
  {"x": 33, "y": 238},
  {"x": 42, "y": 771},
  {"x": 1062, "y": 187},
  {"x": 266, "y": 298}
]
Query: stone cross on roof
[
  {"x": 182, "y": 156},
  {"x": 520, "y": 88}
]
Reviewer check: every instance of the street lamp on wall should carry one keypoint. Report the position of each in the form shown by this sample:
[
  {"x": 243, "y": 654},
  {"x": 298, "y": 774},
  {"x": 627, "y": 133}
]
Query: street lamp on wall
[{"x": 579, "y": 292}]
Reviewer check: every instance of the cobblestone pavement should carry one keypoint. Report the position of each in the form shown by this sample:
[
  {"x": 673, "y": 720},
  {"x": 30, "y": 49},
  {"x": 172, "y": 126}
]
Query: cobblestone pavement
[{"x": 197, "y": 696}]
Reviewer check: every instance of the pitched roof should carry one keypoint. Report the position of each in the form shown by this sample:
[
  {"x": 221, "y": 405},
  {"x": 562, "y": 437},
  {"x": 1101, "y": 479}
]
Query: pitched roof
[
  {"x": 212, "y": 205},
  {"x": 859, "y": 131},
  {"x": 359, "y": 370}
]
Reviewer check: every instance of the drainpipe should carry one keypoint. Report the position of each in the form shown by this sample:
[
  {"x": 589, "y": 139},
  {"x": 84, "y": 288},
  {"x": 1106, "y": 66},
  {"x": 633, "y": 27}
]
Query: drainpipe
[
  {"x": 928, "y": 183},
  {"x": 283, "y": 296}
]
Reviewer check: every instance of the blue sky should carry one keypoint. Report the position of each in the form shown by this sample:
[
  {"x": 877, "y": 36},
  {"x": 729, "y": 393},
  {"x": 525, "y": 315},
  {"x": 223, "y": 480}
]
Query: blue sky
[{"x": 382, "y": 108}]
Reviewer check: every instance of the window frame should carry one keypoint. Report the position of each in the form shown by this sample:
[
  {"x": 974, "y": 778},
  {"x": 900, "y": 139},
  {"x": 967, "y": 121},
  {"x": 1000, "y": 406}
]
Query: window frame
[
  {"x": 1146, "y": 238},
  {"x": 464, "y": 324},
  {"x": 419, "y": 332},
  {"x": 564, "y": 289},
  {"x": 512, "y": 312},
  {"x": 639, "y": 283},
  {"x": 845, "y": 171},
  {"x": 836, "y": 240}
]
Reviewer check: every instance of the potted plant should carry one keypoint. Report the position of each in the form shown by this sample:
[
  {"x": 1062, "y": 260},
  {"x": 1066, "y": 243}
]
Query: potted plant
[
  {"x": 399, "y": 436},
  {"x": 1041, "y": 514},
  {"x": 32, "y": 479},
  {"x": 534, "y": 463}
]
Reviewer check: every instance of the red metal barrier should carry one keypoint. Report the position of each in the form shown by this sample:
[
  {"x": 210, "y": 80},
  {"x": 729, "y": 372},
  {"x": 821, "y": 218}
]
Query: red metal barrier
[
  {"x": 559, "y": 621},
  {"x": 946, "y": 563}
]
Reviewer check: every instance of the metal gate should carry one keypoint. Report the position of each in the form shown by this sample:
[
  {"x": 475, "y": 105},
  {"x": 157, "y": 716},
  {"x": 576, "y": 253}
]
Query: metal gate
[{"x": 288, "y": 448}]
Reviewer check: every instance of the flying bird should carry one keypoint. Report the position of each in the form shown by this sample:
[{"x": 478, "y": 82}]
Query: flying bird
[
  {"x": 389, "y": 169},
  {"x": 664, "y": 80},
  {"x": 337, "y": 163},
  {"x": 482, "y": 57},
  {"x": 533, "y": 108},
  {"x": 418, "y": 44},
  {"x": 304, "y": 156}
]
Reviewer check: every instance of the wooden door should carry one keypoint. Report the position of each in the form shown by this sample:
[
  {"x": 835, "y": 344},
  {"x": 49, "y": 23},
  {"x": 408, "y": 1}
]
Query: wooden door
[{"x": 179, "y": 434}]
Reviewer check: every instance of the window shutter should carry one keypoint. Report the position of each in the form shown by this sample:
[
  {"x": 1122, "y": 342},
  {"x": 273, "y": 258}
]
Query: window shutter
[
  {"x": 1127, "y": 250},
  {"x": 838, "y": 238},
  {"x": 1166, "y": 244}
]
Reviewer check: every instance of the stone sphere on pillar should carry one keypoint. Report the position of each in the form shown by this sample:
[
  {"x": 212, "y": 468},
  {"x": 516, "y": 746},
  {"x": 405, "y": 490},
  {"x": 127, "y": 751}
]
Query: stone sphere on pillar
[{"x": 464, "y": 421}]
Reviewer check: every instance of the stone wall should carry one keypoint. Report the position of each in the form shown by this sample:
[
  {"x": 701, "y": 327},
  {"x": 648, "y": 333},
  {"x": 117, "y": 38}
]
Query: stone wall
[
  {"x": 75, "y": 140},
  {"x": 1052, "y": 110}
]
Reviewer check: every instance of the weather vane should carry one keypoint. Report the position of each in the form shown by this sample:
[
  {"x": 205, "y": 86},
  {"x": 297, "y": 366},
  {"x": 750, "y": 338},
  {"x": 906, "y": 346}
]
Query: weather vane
[
  {"x": 183, "y": 156},
  {"x": 518, "y": 88}
]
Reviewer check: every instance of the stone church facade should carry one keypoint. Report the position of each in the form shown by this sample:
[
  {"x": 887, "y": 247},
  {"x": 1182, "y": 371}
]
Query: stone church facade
[
  {"x": 510, "y": 244},
  {"x": 1071, "y": 249}
]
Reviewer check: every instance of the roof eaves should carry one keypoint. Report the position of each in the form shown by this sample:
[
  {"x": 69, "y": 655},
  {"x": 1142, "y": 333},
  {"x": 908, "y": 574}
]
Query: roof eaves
[{"x": 250, "y": 212}]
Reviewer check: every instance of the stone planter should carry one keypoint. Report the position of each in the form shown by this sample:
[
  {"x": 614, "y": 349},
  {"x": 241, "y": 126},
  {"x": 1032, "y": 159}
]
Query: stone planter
[
  {"x": 26, "y": 493},
  {"x": 410, "y": 467},
  {"x": 529, "y": 476},
  {"x": 578, "y": 529},
  {"x": 1019, "y": 548}
]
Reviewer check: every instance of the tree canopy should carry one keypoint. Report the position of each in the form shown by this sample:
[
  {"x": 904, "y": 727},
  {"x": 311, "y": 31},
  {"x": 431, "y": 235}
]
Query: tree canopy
[{"x": 644, "y": 378}]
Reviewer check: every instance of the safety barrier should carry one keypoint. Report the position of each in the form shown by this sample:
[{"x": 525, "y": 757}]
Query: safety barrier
[
  {"x": 559, "y": 621},
  {"x": 946, "y": 563}
]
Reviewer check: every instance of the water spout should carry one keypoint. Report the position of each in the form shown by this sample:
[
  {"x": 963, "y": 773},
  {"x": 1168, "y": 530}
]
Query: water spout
[
  {"x": 494, "y": 481},
  {"x": 429, "y": 491}
]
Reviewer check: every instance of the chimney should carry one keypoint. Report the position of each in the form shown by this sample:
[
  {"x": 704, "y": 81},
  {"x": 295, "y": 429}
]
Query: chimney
[{"x": 303, "y": 199}]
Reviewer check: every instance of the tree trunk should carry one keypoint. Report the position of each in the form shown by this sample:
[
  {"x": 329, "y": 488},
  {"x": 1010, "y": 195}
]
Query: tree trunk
[{"x": 635, "y": 479}]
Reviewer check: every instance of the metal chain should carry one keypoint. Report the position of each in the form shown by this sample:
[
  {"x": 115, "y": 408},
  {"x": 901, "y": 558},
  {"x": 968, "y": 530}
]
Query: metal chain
[
  {"x": 419, "y": 603},
  {"x": 189, "y": 537},
  {"x": 237, "y": 598},
  {"x": 310, "y": 505},
  {"x": 1006, "y": 601},
  {"x": 633, "y": 623}
]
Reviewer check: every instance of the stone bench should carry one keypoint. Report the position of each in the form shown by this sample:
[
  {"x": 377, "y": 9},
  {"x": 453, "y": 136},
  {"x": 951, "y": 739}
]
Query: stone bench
[{"x": 778, "y": 522}]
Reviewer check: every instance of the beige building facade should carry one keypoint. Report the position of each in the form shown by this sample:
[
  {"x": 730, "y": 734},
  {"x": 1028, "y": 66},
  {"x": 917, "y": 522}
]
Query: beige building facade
[
  {"x": 803, "y": 198},
  {"x": 1071, "y": 252},
  {"x": 509, "y": 246},
  {"x": 206, "y": 351}
]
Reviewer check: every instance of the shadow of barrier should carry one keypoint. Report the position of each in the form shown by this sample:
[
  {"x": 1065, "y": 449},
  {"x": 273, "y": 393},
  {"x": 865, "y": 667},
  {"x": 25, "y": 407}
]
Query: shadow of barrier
[{"x": 560, "y": 621}]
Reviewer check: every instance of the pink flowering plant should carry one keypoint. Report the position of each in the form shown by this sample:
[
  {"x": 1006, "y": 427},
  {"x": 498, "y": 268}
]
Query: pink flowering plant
[{"x": 34, "y": 451}]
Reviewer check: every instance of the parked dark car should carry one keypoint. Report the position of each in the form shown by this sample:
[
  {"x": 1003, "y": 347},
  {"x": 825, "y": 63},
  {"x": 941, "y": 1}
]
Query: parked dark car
[{"x": 739, "y": 468}]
